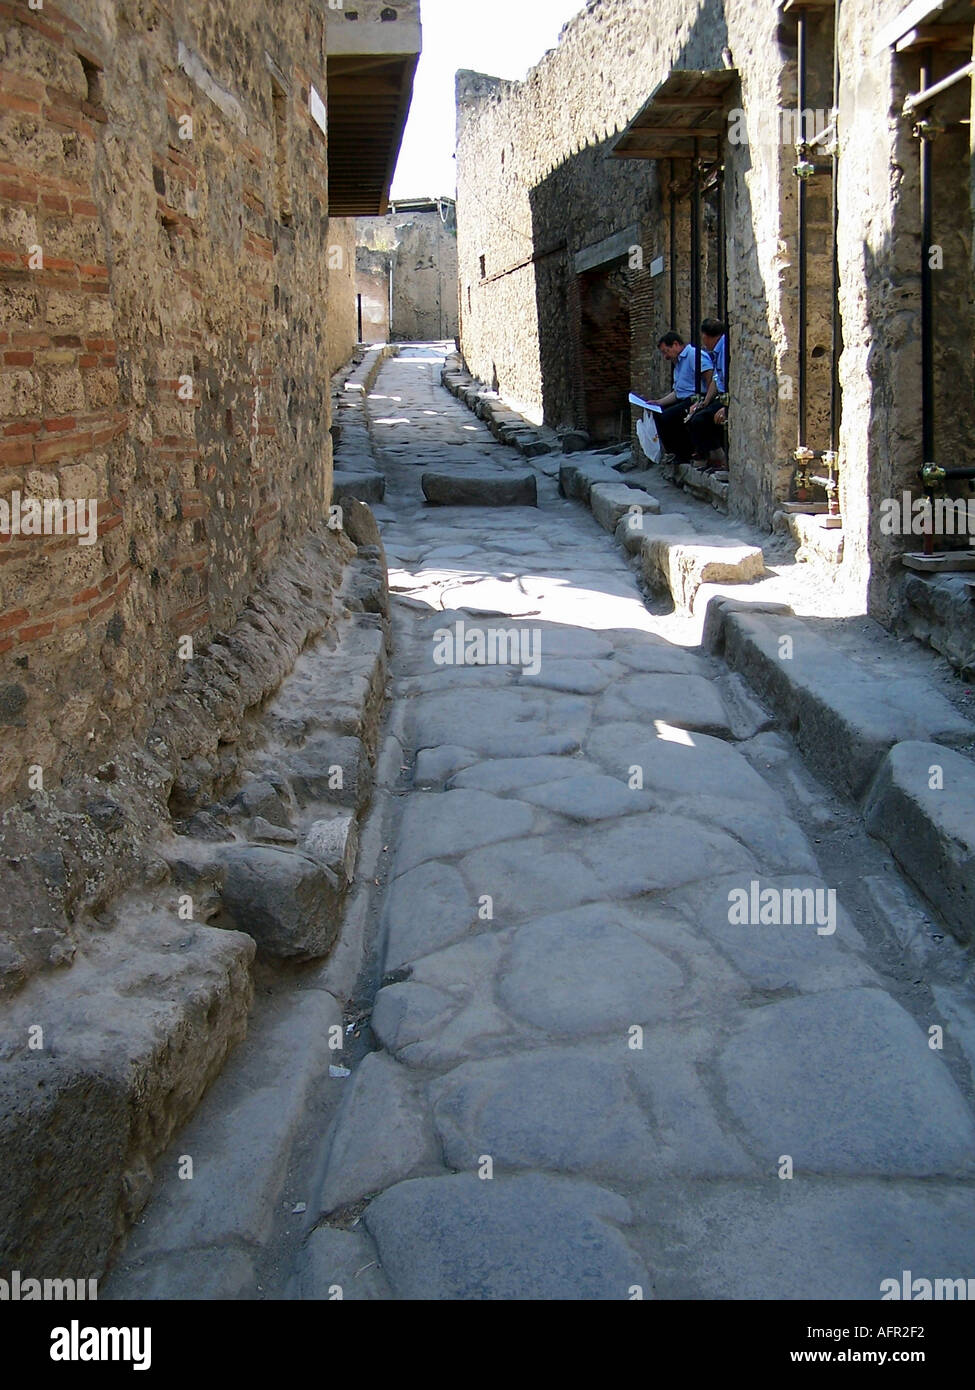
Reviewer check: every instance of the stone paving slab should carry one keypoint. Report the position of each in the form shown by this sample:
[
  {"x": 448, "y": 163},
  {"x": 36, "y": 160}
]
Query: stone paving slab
[
  {"x": 807, "y": 1239},
  {"x": 844, "y": 1081},
  {"x": 510, "y": 1238}
]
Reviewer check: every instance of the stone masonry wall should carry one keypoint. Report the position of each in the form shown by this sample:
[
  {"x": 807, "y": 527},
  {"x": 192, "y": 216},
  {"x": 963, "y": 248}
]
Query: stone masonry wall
[
  {"x": 169, "y": 323},
  {"x": 163, "y": 354},
  {"x": 537, "y": 184},
  {"x": 341, "y": 322},
  {"x": 424, "y": 251}
]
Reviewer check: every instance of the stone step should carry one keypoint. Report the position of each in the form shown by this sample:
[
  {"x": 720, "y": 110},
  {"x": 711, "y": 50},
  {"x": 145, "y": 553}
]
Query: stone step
[
  {"x": 101, "y": 1066},
  {"x": 844, "y": 717},
  {"x": 610, "y": 502},
  {"x": 682, "y": 562},
  {"x": 930, "y": 829}
]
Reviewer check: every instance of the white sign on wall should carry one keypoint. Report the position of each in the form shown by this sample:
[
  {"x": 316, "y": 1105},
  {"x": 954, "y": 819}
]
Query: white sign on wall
[{"x": 318, "y": 113}]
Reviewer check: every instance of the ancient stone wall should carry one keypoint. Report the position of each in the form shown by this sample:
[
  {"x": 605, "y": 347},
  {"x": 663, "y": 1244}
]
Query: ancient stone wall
[
  {"x": 539, "y": 188},
  {"x": 421, "y": 245},
  {"x": 880, "y": 300},
  {"x": 165, "y": 280},
  {"x": 174, "y": 298},
  {"x": 537, "y": 185},
  {"x": 341, "y": 319}
]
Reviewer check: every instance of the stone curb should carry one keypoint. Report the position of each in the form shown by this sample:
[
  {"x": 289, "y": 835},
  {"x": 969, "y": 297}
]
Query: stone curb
[
  {"x": 921, "y": 805},
  {"x": 875, "y": 736},
  {"x": 507, "y": 426}
]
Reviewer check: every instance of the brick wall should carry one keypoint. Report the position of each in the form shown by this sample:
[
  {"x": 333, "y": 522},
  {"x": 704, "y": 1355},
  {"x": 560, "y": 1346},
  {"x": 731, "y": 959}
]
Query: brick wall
[{"x": 165, "y": 346}]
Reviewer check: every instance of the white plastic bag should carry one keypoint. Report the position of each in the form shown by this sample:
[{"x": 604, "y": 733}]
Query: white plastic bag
[{"x": 646, "y": 433}]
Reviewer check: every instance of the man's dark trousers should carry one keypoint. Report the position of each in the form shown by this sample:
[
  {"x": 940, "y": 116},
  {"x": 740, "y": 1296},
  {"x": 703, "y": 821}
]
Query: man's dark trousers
[
  {"x": 704, "y": 433},
  {"x": 672, "y": 430}
]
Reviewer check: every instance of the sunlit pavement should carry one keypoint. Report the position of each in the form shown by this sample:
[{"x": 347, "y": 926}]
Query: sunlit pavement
[{"x": 610, "y": 1066}]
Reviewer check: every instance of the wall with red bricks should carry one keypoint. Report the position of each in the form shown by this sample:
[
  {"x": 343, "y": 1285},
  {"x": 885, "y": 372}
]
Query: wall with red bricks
[{"x": 165, "y": 344}]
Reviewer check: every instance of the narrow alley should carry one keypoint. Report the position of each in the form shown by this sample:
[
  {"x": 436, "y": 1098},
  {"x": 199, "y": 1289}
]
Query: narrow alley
[
  {"x": 587, "y": 1078},
  {"x": 487, "y": 671}
]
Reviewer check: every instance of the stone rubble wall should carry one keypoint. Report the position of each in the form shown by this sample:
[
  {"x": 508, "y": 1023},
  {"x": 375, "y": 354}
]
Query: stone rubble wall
[{"x": 423, "y": 250}]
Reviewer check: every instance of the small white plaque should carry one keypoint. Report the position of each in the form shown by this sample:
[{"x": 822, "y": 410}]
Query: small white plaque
[{"x": 318, "y": 113}]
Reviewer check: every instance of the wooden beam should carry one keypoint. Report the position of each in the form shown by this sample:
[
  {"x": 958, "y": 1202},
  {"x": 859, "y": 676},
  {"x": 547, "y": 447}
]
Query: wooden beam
[
  {"x": 688, "y": 103},
  {"x": 958, "y": 36},
  {"x": 699, "y": 132}
]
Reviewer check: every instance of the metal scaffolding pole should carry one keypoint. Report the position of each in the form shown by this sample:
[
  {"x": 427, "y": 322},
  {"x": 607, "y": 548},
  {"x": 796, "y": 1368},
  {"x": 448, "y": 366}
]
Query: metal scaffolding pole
[{"x": 802, "y": 249}]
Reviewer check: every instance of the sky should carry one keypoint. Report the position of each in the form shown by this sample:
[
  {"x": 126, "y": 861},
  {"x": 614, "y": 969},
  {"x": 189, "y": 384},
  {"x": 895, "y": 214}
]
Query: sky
[{"x": 501, "y": 37}]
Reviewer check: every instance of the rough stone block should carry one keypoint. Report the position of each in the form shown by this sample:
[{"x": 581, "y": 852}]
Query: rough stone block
[
  {"x": 335, "y": 843},
  {"x": 480, "y": 489},
  {"x": 682, "y": 564},
  {"x": 83, "y": 1119},
  {"x": 364, "y": 487},
  {"x": 287, "y": 902},
  {"x": 611, "y": 502}
]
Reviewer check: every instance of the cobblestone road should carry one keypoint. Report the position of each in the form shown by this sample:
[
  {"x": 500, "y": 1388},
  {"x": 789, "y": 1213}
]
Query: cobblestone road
[{"x": 594, "y": 1079}]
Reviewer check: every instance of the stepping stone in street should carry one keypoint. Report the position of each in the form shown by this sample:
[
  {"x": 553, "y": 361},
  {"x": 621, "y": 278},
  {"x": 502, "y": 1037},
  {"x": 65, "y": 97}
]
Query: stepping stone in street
[{"x": 480, "y": 488}]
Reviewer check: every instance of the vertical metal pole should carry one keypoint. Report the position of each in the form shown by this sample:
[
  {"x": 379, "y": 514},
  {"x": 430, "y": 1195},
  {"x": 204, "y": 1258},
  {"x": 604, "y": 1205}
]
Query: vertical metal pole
[
  {"x": 802, "y": 247},
  {"x": 359, "y": 298},
  {"x": 673, "y": 250},
  {"x": 927, "y": 282},
  {"x": 696, "y": 268},
  {"x": 722, "y": 249},
  {"x": 835, "y": 343}
]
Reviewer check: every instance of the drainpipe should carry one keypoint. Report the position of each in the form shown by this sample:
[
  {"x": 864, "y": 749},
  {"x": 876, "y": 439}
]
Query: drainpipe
[
  {"x": 926, "y": 131},
  {"x": 722, "y": 249},
  {"x": 392, "y": 259}
]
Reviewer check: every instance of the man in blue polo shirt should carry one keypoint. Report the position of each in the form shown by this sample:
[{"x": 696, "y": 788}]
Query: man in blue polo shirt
[
  {"x": 703, "y": 428},
  {"x": 670, "y": 424}
]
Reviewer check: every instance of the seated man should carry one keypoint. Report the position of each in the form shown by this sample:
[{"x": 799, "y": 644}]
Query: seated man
[
  {"x": 703, "y": 425},
  {"x": 671, "y": 423}
]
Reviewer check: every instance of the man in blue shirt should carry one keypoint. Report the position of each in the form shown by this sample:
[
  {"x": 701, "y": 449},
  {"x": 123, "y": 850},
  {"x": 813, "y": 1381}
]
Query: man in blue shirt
[
  {"x": 703, "y": 428},
  {"x": 677, "y": 402}
]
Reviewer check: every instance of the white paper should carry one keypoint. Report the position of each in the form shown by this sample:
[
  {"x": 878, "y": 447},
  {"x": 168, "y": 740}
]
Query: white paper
[{"x": 647, "y": 405}]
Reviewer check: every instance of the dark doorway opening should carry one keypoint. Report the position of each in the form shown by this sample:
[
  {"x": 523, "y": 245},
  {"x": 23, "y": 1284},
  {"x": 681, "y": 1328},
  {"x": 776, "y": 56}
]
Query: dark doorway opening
[{"x": 605, "y": 344}]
